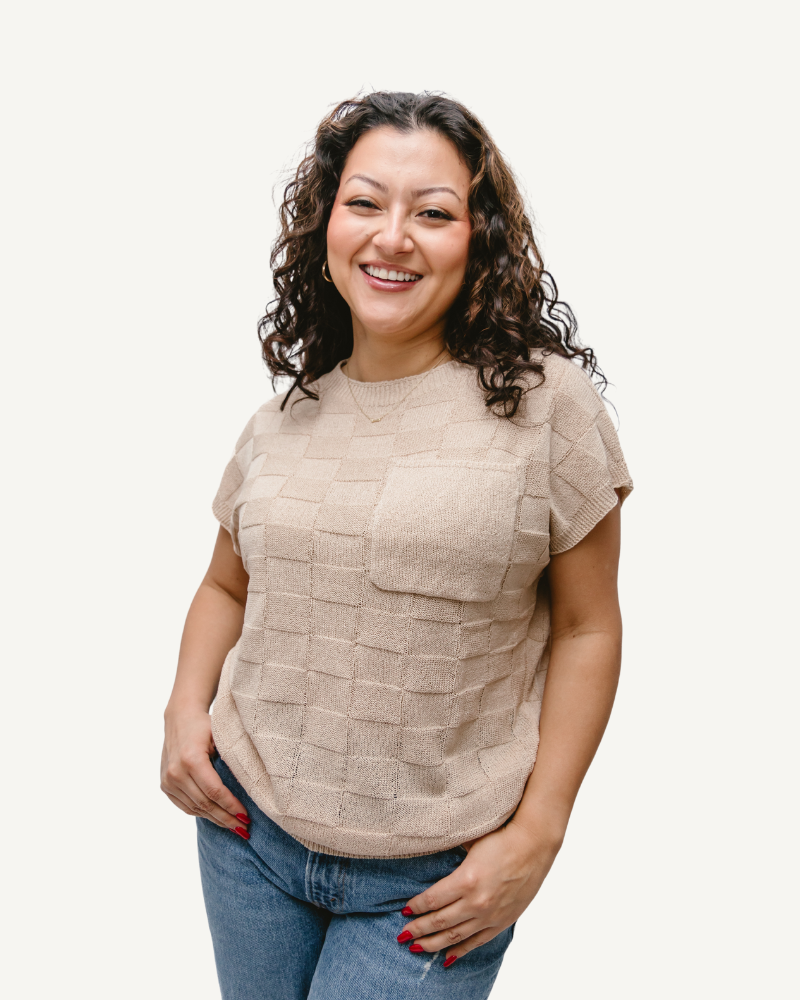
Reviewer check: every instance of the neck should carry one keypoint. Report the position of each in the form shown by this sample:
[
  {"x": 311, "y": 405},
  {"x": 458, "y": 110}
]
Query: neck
[{"x": 378, "y": 359}]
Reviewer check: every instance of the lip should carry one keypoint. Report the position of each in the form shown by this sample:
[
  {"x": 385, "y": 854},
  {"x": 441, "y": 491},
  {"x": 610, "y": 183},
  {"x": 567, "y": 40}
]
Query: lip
[{"x": 383, "y": 284}]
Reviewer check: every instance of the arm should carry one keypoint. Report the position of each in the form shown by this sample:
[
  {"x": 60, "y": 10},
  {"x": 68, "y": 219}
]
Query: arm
[
  {"x": 505, "y": 868},
  {"x": 581, "y": 681},
  {"x": 213, "y": 625}
]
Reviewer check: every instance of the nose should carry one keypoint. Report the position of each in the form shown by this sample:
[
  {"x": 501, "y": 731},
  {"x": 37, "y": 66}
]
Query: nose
[{"x": 393, "y": 237}]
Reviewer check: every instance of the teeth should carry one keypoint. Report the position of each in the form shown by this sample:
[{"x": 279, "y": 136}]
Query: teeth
[{"x": 382, "y": 272}]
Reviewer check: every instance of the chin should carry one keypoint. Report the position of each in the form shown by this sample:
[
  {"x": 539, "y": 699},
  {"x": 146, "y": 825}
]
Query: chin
[{"x": 386, "y": 325}]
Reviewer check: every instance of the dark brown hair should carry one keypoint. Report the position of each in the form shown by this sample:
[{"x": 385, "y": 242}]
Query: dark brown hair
[{"x": 508, "y": 304}]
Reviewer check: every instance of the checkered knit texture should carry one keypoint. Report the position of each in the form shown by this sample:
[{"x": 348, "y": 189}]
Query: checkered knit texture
[{"x": 383, "y": 699}]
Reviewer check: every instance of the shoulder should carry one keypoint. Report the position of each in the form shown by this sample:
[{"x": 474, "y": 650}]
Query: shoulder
[
  {"x": 575, "y": 388},
  {"x": 265, "y": 420},
  {"x": 563, "y": 387},
  {"x": 567, "y": 376}
]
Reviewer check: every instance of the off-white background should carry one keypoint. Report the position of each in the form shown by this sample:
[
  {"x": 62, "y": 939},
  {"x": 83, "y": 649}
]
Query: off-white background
[{"x": 142, "y": 142}]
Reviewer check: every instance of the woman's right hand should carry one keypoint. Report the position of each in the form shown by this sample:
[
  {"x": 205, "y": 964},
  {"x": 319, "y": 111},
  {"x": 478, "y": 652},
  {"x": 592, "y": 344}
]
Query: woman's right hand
[{"x": 188, "y": 777}]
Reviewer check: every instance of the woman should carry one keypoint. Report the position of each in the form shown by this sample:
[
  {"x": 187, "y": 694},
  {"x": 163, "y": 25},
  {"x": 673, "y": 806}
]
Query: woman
[{"x": 413, "y": 537}]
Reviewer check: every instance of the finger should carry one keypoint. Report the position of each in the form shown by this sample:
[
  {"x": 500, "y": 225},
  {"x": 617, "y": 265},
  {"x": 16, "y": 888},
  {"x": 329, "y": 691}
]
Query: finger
[
  {"x": 433, "y": 923},
  {"x": 441, "y": 893},
  {"x": 176, "y": 801},
  {"x": 448, "y": 938},
  {"x": 191, "y": 808},
  {"x": 212, "y": 786},
  {"x": 470, "y": 944},
  {"x": 179, "y": 782},
  {"x": 184, "y": 801},
  {"x": 206, "y": 807}
]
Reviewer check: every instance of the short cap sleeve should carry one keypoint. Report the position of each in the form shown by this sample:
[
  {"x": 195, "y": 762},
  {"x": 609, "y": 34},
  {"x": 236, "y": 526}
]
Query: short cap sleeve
[
  {"x": 586, "y": 461},
  {"x": 233, "y": 479}
]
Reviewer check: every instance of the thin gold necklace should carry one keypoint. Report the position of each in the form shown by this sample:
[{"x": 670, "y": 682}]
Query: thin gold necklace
[{"x": 377, "y": 420}]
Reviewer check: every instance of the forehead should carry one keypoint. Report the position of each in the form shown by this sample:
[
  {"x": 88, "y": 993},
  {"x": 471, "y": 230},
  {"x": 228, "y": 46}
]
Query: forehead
[{"x": 420, "y": 157}]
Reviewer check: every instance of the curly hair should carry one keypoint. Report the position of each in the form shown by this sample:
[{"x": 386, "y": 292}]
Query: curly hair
[{"x": 508, "y": 305}]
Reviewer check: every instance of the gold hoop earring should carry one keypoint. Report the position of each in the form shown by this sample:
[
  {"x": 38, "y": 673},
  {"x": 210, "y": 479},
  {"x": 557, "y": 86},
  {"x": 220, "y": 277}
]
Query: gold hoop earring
[{"x": 324, "y": 275}]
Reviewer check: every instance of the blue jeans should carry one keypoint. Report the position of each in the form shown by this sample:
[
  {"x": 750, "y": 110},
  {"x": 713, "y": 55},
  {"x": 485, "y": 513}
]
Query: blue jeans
[{"x": 289, "y": 924}]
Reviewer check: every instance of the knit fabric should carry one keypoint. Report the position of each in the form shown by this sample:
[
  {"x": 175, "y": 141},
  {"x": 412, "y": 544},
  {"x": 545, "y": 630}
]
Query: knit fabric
[{"x": 383, "y": 699}]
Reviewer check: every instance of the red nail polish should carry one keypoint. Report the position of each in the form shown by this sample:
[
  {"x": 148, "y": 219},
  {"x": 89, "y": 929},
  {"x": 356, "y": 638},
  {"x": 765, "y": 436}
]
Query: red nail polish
[
  {"x": 449, "y": 960},
  {"x": 405, "y": 936},
  {"x": 243, "y": 817},
  {"x": 242, "y": 832},
  {"x": 416, "y": 948},
  {"x": 407, "y": 911}
]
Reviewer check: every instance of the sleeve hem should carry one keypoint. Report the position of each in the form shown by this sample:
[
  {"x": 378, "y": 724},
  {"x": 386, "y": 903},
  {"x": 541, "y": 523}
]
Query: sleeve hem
[
  {"x": 589, "y": 515},
  {"x": 224, "y": 514}
]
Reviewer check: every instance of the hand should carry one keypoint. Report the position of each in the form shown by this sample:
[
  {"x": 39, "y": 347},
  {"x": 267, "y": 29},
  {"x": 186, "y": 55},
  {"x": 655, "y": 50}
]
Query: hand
[
  {"x": 188, "y": 777},
  {"x": 488, "y": 891}
]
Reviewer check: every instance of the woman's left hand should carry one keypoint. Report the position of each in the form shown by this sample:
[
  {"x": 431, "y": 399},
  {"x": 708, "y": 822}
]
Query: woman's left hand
[{"x": 488, "y": 891}]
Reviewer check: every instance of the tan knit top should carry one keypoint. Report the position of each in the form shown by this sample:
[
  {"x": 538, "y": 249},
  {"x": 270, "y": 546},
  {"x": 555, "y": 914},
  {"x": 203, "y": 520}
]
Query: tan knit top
[{"x": 383, "y": 699}]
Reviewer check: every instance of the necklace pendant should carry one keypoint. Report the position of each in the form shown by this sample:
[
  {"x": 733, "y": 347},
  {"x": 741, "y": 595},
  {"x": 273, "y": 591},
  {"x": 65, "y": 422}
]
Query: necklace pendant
[{"x": 375, "y": 420}]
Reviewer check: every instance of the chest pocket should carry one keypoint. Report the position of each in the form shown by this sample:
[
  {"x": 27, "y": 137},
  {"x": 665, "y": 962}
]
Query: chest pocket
[{"x": 445, "y": 528}]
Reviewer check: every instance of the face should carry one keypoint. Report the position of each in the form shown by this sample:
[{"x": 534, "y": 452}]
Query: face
[{"x": 398, "y": 236}]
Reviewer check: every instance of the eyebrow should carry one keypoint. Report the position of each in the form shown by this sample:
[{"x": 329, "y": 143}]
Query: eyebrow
[
  {"x": 416, "y": 194},
  {"x": 432, "y": 190}
]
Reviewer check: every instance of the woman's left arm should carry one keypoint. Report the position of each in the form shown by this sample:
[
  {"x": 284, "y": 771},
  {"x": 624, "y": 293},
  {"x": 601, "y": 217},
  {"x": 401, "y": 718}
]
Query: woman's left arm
[{"x": 504, "y": 869}]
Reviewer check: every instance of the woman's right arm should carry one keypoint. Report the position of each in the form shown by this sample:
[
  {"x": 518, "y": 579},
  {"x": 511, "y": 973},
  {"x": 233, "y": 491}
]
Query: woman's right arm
[{"x": 213, "y": 626}]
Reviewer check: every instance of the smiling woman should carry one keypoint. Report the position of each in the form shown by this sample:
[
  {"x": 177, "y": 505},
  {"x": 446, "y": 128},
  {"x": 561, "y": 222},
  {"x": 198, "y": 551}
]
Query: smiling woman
[{"x": 406, "y": 552}]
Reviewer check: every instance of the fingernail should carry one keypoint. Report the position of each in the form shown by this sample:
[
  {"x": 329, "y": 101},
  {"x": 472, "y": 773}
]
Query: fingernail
[
  {"x": 407, "y": 911},
  {"x": 243, "y": 817},
  {"x": 416, "y": 948},
  {"x": 405, "y": 936},
  {"x": 242, "y": 832},
  {"x": 449, "y": 960}
]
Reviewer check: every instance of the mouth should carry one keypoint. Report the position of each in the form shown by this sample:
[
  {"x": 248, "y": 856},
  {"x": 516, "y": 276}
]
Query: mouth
[{"x": 389, "y": 279}]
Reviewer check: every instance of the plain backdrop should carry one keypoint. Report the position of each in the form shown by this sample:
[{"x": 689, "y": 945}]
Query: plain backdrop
[{"x": 144, "y": 146}]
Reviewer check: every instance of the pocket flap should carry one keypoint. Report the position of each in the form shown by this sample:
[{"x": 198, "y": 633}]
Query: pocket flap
[{"x": 445, "y": 528}]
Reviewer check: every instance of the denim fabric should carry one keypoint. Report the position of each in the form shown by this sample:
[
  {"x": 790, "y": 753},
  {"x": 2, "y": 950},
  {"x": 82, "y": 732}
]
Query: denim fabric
[{"x": 289, "y": 924}]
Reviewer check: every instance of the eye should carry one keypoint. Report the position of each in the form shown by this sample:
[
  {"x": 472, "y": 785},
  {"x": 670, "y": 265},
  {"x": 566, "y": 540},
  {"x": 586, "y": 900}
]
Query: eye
[
  {"x": 361, "y": 203},
  {"x": 436, "y": 213}
]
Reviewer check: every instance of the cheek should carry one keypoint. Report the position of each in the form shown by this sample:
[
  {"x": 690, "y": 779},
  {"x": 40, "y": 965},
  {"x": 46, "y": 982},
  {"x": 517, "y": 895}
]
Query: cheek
[
  {"x": 345, "y": 234},
  {"x": 452, "y": 255}
]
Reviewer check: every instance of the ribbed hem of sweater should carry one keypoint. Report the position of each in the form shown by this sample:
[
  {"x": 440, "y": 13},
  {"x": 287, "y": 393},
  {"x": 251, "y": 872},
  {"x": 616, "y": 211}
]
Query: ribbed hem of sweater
[{"x": 321, "y": 849}]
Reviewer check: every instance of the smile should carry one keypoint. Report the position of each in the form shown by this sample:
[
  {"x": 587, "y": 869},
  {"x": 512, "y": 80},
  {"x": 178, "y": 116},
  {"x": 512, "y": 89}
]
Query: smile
[{"x": 381, "y": 277}]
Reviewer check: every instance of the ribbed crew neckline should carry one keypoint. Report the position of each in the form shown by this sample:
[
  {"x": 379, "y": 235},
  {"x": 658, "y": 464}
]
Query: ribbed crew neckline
[{"x": 389, "y": 391}]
